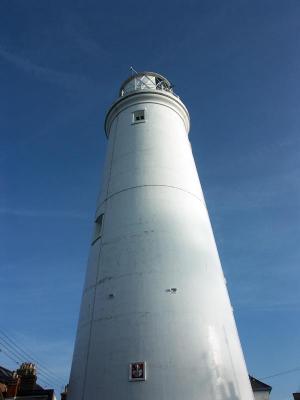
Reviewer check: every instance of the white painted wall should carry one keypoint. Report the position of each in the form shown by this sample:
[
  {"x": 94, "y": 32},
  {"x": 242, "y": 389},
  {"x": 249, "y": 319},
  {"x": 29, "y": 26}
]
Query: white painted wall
[
  {"x": 156, "y": 236},
  {"x": 262, "y": 395}
]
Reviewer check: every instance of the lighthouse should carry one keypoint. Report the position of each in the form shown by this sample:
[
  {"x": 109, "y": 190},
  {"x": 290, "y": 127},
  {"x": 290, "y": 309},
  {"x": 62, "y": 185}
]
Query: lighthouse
[{"x": 156, "y": 321}]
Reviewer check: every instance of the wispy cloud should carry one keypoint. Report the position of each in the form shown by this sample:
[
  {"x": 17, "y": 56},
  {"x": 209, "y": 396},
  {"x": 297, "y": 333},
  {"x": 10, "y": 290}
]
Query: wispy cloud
[
  {"x": 43, "y": 213},
  {"x": 87, "y": 45},
  {"x": 272, "y": 298},
  {"x": 269, "y": 306},
  {"x": 68, "y": 80}
]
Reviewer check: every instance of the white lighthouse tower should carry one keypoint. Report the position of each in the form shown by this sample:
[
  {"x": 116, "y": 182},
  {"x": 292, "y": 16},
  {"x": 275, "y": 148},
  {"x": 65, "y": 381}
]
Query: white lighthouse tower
[{"x": 156, "y": 321}]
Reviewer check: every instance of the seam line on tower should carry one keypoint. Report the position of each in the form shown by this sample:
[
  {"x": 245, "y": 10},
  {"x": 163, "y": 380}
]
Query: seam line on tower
[{"x": 141, "y": 186}]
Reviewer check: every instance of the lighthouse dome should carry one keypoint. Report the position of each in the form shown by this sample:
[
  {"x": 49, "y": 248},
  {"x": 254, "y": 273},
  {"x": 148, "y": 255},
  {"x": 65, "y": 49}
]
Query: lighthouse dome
[{"x": 145, "y": 81}]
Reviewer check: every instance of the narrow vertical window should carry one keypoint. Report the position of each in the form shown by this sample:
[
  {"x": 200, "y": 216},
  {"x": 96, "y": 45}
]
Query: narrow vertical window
[
  {"x": 138, "y": 116},
  {"x": 98, "y": 228}
]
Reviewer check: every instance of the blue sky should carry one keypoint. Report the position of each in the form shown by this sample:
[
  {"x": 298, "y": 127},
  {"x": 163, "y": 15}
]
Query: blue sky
[{"x": 235, "y": 64}]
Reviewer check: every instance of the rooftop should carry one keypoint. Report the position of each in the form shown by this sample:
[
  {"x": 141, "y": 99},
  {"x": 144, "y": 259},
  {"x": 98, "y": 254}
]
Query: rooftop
[{"x": 258, "y": 386}]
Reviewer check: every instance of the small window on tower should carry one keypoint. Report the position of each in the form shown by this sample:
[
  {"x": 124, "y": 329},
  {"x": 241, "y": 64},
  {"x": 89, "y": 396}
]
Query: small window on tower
[
  {"x": 139, "y": 116},
  {"x": 98, "y": 228}
]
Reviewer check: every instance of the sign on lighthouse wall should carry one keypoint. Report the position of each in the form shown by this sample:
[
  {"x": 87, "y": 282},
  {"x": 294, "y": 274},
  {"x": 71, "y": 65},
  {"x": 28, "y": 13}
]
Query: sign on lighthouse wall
[{"x": 137, "y": 371}]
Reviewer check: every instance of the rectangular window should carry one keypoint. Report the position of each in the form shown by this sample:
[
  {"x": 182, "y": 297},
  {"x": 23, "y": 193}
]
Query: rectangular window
[
  {"x": 138, "y": 116},
  {"x": 98, "y": 228}
]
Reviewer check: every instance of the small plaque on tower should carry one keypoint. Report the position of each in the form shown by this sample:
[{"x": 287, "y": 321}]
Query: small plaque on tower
[{"x": 137, "y": 371}]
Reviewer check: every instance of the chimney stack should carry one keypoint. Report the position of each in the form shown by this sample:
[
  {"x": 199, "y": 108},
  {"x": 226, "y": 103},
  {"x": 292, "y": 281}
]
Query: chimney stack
[
  {"x": 27, "y": 374},
  {"x": 13, "y": 385},
  {"x": 63, "y": 395}
]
